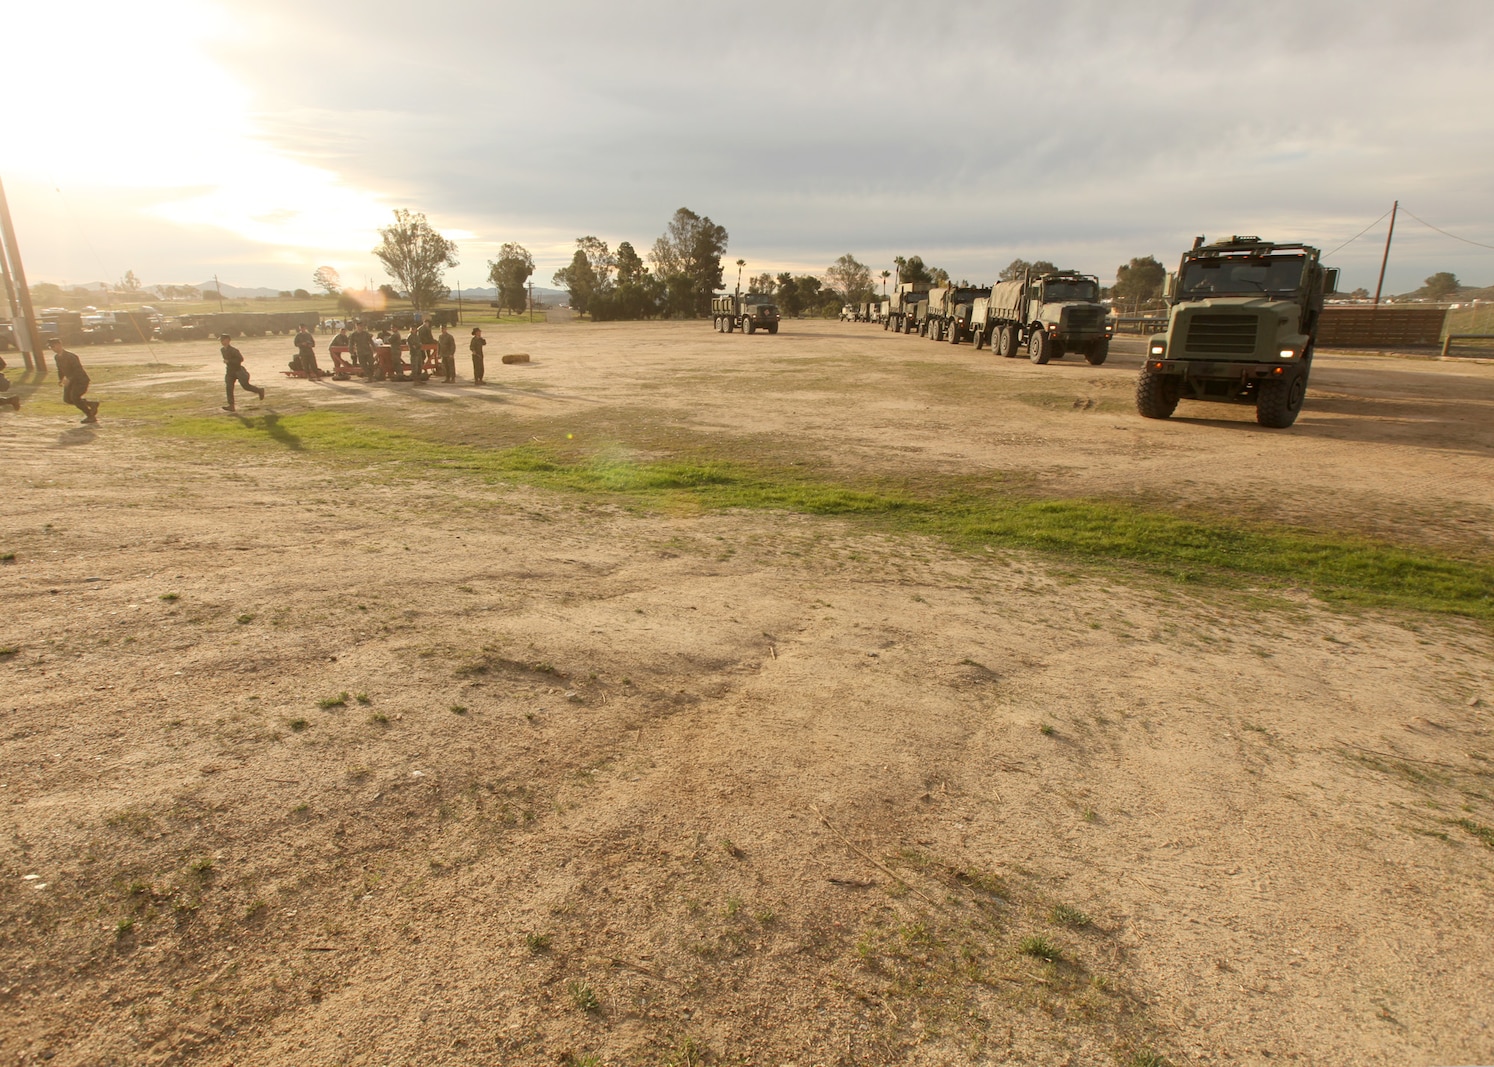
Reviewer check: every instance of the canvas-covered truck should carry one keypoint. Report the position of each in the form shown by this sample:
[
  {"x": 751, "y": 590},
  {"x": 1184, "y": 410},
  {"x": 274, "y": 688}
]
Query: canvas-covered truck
[
  {"x": 1241, "y": 321},
  {"x": 1047, "y": 315},
  {"x": 947, "y": 317},
  {"x": 902, "y": 307},
  {"x": 748, "y": 312}
]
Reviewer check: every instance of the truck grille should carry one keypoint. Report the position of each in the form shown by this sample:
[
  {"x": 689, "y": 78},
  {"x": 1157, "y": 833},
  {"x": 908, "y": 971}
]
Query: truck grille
[
  {"x": 1085, "y": 318},
  {"x": 1225, "y": 335}
]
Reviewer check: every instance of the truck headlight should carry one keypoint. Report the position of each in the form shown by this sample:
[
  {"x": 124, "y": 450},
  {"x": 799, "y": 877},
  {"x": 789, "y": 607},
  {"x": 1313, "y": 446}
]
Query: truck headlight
[
  {"x": 1288, "y": 353},
  {"x": 1156, "y": 348}
]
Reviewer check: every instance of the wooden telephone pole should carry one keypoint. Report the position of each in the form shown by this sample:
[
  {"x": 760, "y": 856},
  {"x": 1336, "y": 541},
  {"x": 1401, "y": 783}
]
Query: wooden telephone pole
[
  {"x": 28, "y": 336},
  {"x": 1386, "y": 257}
]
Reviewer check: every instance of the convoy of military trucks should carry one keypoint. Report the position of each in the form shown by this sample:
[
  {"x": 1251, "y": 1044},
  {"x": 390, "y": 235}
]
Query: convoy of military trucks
[{"x": 1241, "y": 324}]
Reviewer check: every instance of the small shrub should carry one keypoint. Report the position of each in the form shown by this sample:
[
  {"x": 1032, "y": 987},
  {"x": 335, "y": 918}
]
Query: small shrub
[
  {"x": 583, "y": 996},
  {"x": 1039, "y": 947},
  {"x": 339, "y": 701},
  {"x": 170, "y": 596}
]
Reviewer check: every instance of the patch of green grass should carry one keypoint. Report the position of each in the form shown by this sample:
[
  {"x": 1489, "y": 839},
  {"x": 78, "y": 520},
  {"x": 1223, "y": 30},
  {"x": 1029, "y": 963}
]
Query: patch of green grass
[
  {"x": 363, "y": 698},
  {"x": 1479, "y": 830},
  {"x": 297, "y": 725},
  {"x": 245, "y": 619},
  {"x": 1204, "y": 549},
  {"x": 9, "y": 650},
  {"x": 7, "y": 557},
  {"x": 171, "y": 596},
  {"x": 1064, "y": 915},
  {"x": 339, "y": 701},
  {"x": 124, "y": 926},
  {"x": 459, "y": 709},
  {"x": 583, "y": 996},
  {"x": 688, "y": 1053},
  {"x": 1148, "y": 1058},
  {"x": 1046, "y": 729},
  {"x": 378, "y": 718},
  {"x": 1039, "y": 947},
  {"x": 537, "y": 943}
]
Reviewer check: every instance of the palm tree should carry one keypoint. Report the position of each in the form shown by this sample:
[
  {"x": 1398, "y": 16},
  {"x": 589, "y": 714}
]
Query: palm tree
[
  {"x": 899, "y": 262},
  {"x": 740, "y": 264},
  {"x": 885, "y": 275}
]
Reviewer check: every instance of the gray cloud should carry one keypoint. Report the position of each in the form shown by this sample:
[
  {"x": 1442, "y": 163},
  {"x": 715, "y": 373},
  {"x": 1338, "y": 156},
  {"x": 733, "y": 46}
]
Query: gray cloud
[{"x": 966, "y": 132}]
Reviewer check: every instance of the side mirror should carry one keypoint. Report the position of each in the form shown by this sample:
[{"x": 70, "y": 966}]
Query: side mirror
[
  {"x": 1170, "y": 286},
  {"x": 1330, "y": 280}
]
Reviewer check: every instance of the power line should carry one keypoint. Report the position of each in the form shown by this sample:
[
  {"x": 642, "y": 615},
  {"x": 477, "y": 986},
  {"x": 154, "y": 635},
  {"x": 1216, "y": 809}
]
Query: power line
[
  {"x": 1358, "y": 235},
  {"x": 1455, "y": 237}
]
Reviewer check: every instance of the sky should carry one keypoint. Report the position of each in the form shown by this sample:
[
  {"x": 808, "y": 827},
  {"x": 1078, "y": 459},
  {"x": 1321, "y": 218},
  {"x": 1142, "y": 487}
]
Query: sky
[{"x": 182, "y": 139}]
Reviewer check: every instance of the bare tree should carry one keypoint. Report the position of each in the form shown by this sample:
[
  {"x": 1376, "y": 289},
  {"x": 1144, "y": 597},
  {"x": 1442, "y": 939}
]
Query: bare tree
[
  {"x": 416, "y": 256},
  {"x": 851, "y": 278},
  {"x": 328, "y": 280}
]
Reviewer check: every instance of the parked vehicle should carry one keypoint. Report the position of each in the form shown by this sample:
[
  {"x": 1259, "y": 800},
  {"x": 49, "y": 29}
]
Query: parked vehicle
[
  {"x": 902, "y": 310},
  {"x": 948, "y": 313},
  {"x": 1242, "y": 319},
  {"x": 748, "y": 312},
  {"x": 1048, "y": 315}
]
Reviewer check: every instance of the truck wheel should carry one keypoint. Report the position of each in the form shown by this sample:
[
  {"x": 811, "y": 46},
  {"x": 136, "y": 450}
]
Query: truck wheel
[
  {"x": 1006, "y": 342},
  {"x": 978, "y": 339},
  {"x": 1157, "y": 394},
  {"x": 1038, "y": 348},
  {"x": 730, "y": 323},
  {"x": 954, "y": 333},
  {"x": 773, "y": 327},
  {"x": 886, "y": 324},
  {"x": 1278, "y": 403},
  {"x": 749, "y": 326},
  {"x": 1098, "y": 352}
]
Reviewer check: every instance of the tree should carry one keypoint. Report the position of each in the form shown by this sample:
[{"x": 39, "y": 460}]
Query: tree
[
  {"x": 416, "y": 256},
  {"x": 851, "y": 279},
  {"x": 348, "y": 303},
  {"x": 129, "y": 283},
  {"x": 763, "y": 284},
  {"x": 1017, "y": 267},
  {"x": 630, "y": 268},
  {"x": 885, "y": 275},
  {"x": 939, "y": 277},
  {"x": 601, "y": 260},
  {"x": 302, "y": 294},
  {"x": 911, "y": 269},
  {"x": 1441, "y": 285},
  {"x": 1139, "y": 282},
  {"x": 327, "y": 280},
  {"x": 510, "y": 272},
  {"x": 691, "y": 247},
  {"x": 389, "y": 292},
  {"x": 579, "y": 280},
  {"x": 1358, "y": 294}
]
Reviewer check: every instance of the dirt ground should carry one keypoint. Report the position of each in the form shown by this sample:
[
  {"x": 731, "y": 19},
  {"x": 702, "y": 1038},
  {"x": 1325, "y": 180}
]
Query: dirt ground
[{"x": 306, "y": 762}]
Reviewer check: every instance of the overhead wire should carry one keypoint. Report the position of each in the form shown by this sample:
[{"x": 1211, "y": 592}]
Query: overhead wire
[
  {"x": 1439, "y": 229},
  {"x": 1358, "y": 235}
]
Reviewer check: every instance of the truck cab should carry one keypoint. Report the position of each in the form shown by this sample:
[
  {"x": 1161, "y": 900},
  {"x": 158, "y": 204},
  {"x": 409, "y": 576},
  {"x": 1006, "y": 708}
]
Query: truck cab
[
  {"x": 1065, "y": 315},
  {"x": 1241, "y": 323}
]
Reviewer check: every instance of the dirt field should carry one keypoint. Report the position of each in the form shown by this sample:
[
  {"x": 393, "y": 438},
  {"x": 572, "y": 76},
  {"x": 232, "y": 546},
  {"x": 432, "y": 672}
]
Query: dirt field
[{"x": 309, "y": 757}]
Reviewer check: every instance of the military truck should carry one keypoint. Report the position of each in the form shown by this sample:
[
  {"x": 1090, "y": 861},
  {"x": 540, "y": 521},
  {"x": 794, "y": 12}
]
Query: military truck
[
  {"x": 902, "y": 309},
  {"x": 947, "y": 317},
  {"x": 1242, "y": 317},
  {"x": 1047, "y": 315},
  {"x": 748, "y": 312}
]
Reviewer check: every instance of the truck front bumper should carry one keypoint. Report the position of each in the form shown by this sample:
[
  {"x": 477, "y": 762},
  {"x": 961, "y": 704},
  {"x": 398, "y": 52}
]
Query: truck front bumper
[{"x": 1230, "y": 382}]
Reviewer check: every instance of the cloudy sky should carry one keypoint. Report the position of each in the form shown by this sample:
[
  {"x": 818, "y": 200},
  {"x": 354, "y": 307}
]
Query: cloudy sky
[{"x": 186, "y": 138}]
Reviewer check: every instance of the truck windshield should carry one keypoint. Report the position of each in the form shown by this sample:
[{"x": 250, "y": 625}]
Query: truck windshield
[
  {"x": 1080, "y": 289},
  {"x": 1241, "y": 276}
]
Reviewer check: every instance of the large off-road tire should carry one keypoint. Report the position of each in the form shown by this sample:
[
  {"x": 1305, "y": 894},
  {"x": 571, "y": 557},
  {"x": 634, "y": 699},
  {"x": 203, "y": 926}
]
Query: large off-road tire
[
  {"x": 953, "y": 336},
  {"x": 978, "y": 339},
  {"x": 717, "y": 323},
  {"x": 1098, "y": 353},
  {"x": 749, "y": 326},
  {"x": 1277, "y": 403},
  {"x": 731, "y": 323},
  {"x": 1157, "y": 394},
  {"x": 1039, "y": 350},
  {"x": 1006, "y": 342},
  {"x": 773, "y": 327},
  {"x": 935, "y": 330}
]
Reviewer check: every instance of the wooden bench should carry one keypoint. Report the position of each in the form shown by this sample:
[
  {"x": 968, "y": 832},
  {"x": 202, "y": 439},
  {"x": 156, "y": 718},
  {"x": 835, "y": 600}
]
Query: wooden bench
[{"x": 1447, "y": 342}]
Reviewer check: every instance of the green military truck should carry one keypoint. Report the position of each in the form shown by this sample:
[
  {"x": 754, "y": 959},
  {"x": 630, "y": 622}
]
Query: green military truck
[
  {"x": 1241, "y": 321},
  {"x": 748, "y": 312},
  {"x": 949, "y": 312},
  {"x": 1047, "y": 315},
  {"x": 902, "y": 309}
]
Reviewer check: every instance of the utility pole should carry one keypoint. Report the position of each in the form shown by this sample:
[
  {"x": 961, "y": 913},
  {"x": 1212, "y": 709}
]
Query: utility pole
[
  {"x": 459, "y": 301},
  {"x": 531, "y": 303},
  {"x": 1386, "y": 258},
  {"x": 30, "y": 343}
]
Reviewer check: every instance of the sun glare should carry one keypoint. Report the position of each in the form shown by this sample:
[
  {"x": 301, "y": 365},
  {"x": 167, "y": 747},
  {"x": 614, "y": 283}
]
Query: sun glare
[{"x": 146, "y": 106}]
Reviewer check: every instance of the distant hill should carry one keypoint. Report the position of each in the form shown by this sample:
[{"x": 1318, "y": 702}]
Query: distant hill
[
  {"x": 546, "y": 296},
  {"x": 238, "y": 292}
]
